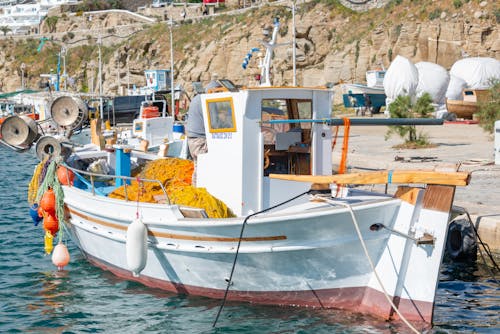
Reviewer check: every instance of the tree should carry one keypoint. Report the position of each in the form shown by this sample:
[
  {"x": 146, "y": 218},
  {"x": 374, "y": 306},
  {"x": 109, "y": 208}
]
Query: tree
[
  {"x": 51, "y": 22},
  {"x": 489, "y": 111},
  {"x": 5, "y": 30},
  {"x": 403, "y": 107}
]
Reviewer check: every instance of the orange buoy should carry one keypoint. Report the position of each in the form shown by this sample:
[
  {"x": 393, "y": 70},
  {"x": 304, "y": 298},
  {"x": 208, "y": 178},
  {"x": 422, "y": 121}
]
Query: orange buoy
[
  {"x": 60, "y": 256},
  {"x": 48, "y": 202},
  {"x": 64, "y": 175},
  {"x": 51, "y": 224},
  {"x": 150, "y": 112}
]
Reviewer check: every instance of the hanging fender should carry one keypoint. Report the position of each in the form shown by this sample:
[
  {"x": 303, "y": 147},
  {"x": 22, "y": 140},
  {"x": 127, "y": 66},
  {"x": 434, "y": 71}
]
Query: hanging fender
[{"x": 136, "y": 246}]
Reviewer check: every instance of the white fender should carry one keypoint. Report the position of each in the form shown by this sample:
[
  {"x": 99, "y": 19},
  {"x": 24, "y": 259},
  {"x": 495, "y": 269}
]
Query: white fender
[{"x": 137, "y": 247}]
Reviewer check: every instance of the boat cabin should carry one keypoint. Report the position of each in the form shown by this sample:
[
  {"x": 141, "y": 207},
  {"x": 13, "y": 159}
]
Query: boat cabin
[{"x": 252, "y": 132}]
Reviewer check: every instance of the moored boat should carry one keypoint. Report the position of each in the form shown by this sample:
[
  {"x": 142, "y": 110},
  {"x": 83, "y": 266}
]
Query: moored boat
[
  {"x": 345, "y": 248},
  {"x": 288, "y": 233},
  {"x": 370, "y": 96}
]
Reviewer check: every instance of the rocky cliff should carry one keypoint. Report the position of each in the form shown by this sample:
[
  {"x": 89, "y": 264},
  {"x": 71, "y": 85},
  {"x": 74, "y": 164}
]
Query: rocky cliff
[{"x": 334, "y": 43}]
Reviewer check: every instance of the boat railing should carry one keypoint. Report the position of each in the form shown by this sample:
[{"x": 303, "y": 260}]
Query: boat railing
[{"x": 94, "y": 177}]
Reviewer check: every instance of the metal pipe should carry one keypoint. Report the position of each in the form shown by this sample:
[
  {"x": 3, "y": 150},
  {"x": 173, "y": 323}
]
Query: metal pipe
[{"x": 362, "y": 121}]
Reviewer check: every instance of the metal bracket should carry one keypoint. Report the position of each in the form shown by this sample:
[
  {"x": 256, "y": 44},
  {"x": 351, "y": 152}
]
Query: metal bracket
[{"x": 426, "y": 239}]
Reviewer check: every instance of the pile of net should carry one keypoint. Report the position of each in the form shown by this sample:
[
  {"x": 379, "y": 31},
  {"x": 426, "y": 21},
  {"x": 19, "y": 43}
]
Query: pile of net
[{"x": 175, "y": 175}]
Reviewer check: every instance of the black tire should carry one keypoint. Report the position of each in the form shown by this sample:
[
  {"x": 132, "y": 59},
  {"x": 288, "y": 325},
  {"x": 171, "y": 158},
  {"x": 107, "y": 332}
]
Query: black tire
[{"x": 461, "y": 243}]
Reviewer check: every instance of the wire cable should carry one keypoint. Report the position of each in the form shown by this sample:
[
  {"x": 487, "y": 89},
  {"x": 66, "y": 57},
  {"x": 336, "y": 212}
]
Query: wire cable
[
  {"x": 365, "y": 249},
  {"x": 238, "y": 249}
]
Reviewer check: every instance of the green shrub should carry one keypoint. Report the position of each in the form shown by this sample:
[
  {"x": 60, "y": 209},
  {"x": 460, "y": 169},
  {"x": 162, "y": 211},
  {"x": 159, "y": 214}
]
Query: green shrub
[
  {"x": 489, "y": 111},
  {"x": 435, "y": 14},
  {"x": 402, "y": 107},
  {"x": 457, "y": 3}
]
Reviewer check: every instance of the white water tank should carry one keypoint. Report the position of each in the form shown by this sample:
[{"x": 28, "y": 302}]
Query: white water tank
[{"x": 497, "y": 143}]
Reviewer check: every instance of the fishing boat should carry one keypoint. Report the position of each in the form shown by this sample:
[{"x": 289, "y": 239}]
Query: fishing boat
[
  {"x": 469, "y": 105},
  {"x": 370, "y": 95},
  {"x": 289, "y": 232}
]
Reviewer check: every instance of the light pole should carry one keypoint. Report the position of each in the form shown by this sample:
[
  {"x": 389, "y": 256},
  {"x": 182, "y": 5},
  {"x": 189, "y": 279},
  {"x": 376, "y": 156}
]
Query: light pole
[
  {"x": 294, "y": 48},
  {"x": 23, "y": 67},
  {"x": 100, "y": 76},
  {"x": 171, "y": 23},
  {"x": 63, "y": 52}
]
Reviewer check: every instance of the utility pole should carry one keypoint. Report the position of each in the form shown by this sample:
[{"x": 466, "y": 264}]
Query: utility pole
[
  {"x": 100, "y": 76},
  {"x": 171, "y": 23},
  {"x": 23, "y": 67},
  {"x": 65, "y": 76}
]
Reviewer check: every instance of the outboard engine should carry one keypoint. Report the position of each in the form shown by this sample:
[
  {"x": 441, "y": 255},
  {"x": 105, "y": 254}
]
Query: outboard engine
[{"x": 19, "y": 131}]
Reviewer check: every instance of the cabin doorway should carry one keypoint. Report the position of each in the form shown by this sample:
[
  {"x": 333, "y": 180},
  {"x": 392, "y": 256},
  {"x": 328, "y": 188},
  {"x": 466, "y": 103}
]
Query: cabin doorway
[{"x": 287, "y": 145}]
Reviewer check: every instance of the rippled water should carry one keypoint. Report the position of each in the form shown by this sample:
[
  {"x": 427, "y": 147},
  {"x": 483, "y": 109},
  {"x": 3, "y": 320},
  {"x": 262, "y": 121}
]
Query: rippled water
[{"x": 36, "y": 298}]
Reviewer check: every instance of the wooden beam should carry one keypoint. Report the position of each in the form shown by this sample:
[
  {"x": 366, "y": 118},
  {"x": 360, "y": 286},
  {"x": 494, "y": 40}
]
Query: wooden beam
[{"x": 384, "y": 177}]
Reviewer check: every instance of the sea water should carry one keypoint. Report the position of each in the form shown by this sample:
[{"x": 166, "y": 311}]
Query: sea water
[{"x": 37, "y": 298}]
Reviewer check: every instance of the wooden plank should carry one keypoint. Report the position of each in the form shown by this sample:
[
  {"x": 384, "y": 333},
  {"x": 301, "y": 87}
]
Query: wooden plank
[{"x": 384, "y": 177}]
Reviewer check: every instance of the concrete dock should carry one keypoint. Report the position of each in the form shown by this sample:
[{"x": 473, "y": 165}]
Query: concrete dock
[{"x": 459, "y": 145}]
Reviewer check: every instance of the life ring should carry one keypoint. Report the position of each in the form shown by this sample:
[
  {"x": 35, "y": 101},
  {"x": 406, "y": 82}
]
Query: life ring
[
  {"x": 461, "y": 243},
  {"x": 267, "y": 162}
]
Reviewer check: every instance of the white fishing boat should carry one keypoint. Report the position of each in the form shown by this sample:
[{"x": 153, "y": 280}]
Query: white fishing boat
[{"x": 335, "y": 246}]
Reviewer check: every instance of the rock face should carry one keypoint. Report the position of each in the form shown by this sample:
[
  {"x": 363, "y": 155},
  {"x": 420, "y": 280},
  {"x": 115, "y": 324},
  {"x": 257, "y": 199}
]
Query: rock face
[{"x": 332, "y": 45}]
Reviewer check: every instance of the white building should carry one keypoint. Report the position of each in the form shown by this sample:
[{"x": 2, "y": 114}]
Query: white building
[{"x": 22, "y": 17}]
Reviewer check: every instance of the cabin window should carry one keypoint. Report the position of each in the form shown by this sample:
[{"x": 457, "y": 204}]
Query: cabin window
[
  {"x": 287, "y": 143},
  {"x": 221, "y": 115}
]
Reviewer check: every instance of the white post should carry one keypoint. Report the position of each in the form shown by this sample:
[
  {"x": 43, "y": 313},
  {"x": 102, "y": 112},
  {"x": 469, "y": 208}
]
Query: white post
[
  {"x": 172, "y": 110},
  {"x": 294, "y": 49}
]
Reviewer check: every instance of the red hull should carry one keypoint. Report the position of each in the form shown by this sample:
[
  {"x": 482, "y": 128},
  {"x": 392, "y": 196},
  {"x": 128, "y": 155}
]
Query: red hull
[{"x": 357, "y": 299}]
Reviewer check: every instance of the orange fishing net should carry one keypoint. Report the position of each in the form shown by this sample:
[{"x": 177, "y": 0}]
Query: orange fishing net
[{"x": 175, "y": 175}]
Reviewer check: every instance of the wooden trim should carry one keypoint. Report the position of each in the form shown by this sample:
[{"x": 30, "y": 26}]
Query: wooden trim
[
  {"x": 407, "y": 194},
  {"x": 176, "y": 236},
  {"x": 439, "y": 197},
  {"x": 384, "y": 177}
]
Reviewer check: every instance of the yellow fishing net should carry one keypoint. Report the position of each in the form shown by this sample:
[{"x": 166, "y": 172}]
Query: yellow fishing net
[
  {"x": 35, "y": 181},
  {"x": 175, "y": 175}
]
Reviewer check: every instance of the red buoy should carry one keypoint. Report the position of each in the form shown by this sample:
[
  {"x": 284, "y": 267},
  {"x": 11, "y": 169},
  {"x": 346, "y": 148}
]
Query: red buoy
[
  {"x": 51, "y": 224},
  {"x": 48, "y": 202},
  {"x": 65, "y": 175}
]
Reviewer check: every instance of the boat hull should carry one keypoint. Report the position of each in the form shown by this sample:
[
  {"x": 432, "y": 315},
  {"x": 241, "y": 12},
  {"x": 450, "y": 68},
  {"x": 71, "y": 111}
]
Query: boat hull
[
  {"x": 309, "y": 256},
  {"x": 463, "y": 109},
  {"x": 354, "y": 96}
]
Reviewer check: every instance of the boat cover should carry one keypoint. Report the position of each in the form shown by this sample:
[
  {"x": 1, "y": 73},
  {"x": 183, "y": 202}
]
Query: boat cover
[
  {"x": 455, "y": 88},
  {"x": 433, "y": 79},
  {"x": 400, "y": 79},
  {"x": 478, "y": 72}
]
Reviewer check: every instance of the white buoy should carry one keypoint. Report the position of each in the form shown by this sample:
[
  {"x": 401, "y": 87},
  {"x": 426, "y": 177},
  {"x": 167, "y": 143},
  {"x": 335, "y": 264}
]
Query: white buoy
[{"x": 136, "y": 244}]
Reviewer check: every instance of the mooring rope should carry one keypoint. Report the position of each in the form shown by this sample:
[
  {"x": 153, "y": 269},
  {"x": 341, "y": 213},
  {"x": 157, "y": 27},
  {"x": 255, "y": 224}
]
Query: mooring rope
[
  {"x": 238, "y": 249},
  {"x": 365, "y": 249},
  {"x": 485, "y": 246}
]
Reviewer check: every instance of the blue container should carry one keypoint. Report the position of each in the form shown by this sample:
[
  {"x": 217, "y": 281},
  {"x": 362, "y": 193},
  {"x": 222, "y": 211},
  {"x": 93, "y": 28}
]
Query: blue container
[
  {"x": 34, "y": 214},
  {"x": 179, "y": 128}
]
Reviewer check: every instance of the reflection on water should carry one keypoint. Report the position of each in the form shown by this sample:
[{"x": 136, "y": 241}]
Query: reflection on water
[{"x": 36, "y": 298}]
